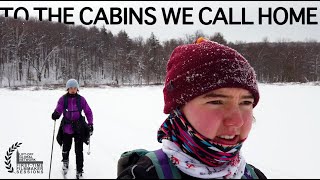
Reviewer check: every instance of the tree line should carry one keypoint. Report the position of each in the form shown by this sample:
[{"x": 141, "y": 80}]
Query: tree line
[{"x": 48, "y": 53}]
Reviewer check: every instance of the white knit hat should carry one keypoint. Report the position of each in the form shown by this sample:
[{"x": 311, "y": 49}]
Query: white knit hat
[{"x": 72, "y": 83}]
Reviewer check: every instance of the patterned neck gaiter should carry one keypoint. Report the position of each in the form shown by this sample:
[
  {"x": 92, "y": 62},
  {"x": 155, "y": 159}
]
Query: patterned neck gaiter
[{"x": 179, "y": 131}]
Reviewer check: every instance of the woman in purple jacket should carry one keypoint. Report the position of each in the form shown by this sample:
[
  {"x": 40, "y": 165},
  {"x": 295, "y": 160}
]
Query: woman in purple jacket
[{"x": 73, "y": 124}]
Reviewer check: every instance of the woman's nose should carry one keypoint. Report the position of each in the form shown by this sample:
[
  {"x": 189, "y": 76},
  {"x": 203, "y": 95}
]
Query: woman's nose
[{"x": 233, "y": 118}]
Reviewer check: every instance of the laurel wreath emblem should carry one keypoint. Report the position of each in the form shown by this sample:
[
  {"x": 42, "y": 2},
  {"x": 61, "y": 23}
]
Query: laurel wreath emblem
[{"x": 8, "y": 156}]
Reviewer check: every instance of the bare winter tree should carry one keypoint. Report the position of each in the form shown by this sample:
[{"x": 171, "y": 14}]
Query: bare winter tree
[
  {"x": 40, "y": 60},
  {"x": 153, "y": 59},
  {"x": 14, "y": 38},
  {"x": 219, "y": 38},
  {"x": 42, "y": 52},
  {"x": 139, "y": 63}
]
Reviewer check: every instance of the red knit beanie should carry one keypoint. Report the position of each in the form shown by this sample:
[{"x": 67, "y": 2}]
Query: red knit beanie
[{"x": 196, "y": 69}]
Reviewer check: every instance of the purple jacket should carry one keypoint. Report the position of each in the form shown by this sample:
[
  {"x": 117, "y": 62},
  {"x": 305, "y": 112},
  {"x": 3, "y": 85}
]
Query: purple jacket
[{"x": 74, "y": 114}]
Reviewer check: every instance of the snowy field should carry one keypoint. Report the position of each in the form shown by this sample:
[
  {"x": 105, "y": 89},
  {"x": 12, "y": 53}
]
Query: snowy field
[{"x": 283, "y": 142}]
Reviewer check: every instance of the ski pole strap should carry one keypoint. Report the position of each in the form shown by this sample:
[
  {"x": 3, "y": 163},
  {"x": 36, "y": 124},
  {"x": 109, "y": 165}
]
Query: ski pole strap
[{"x": 164, "y": 167}]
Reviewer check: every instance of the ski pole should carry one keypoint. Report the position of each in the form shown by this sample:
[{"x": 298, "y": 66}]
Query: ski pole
[
  {"x": 54, "y": 129},
  {"x": 89, "y": 147}
]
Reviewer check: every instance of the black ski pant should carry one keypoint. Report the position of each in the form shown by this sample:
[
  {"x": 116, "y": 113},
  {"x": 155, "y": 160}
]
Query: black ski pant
[{"x": 67, "y": 143}]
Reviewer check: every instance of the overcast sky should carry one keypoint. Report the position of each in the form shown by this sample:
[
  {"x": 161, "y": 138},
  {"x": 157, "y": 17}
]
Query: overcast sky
[{"x": 247, "y": 33}]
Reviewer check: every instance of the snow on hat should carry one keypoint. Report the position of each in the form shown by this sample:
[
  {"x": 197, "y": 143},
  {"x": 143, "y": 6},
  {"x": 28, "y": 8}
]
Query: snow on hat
[
  {"x": 196, "y": 69},
  {"x": 72, "y": 83}
]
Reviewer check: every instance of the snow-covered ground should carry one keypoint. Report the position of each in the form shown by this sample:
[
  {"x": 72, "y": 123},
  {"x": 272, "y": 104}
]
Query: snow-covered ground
[{"x": 283, "y": 142}]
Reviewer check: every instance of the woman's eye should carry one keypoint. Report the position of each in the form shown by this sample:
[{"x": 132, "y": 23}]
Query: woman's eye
[
  {"x": 215, "y": 102},
  {"x": 247, "y": 102}
]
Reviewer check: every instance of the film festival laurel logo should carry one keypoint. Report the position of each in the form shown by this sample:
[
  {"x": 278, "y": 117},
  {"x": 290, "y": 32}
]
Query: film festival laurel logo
[{"x": 26, "y": 164}]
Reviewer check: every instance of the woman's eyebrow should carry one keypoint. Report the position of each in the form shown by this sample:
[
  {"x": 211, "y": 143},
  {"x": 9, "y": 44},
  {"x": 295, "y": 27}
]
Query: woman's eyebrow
[
  {"x": 215, "y": 95},
  {"x": 247, "y": 97}
]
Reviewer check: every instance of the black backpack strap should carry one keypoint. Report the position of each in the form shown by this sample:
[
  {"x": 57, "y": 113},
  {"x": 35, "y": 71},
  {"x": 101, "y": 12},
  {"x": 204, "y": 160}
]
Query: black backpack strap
[
  {"x": 79, "y": 103},
  {"x": 65, "y": 104}
]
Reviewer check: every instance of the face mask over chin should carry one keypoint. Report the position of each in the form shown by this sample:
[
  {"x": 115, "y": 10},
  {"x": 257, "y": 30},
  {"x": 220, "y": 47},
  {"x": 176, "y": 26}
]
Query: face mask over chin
[{"x": 177, "y": 129}]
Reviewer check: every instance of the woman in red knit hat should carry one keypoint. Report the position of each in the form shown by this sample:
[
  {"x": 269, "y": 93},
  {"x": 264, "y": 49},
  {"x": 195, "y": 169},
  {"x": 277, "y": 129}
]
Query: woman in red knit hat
[{"x": 210, "y": 92}]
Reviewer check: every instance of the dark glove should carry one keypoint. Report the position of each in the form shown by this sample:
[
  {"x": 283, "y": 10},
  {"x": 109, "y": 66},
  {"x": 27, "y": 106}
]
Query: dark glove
[
  {"x": 90, "y": 129},
  {"x": 55, "y": 115}
]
